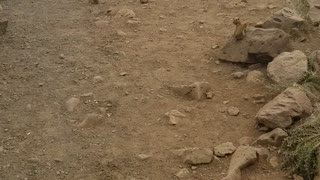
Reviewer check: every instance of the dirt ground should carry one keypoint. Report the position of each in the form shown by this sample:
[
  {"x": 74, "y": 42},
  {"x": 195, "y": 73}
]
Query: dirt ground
[{"x": 54, "y": 48}]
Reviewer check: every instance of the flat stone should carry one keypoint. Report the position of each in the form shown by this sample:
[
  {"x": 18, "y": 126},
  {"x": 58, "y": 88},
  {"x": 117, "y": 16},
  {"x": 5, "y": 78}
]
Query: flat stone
[
  {"x": 196, "y": 91},
  {"x": 224, "y": 149},
  {"x": 233, "y": 111},
  {"x": 91, "y": 120},
  {"x": 198, "y": 156},
  {"x": 183, "y": 173}
]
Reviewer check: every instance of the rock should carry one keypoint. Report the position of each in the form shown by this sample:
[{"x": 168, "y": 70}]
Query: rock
[
  {"x": 210, "y": 95},
  {"x": 224, "y": 149},
  {"x": 144, "y": 1},
  {"x": 288, "y": 67},
  {"x": 3, "y": 26},
  {"x": 238, "y": 75},
  {"x": 127, "y": 13},
  {"x": 174, "y": 116},
  {"x": 183, "y": 173},
  {"x": 274, "y": 162},
  {"x": 233, "y": 111},
  {"x": 273, "y": 138},
  {"x": 198, "y": 156},
  {"x": 315, "y": 61},
  {"x": 72, "y": 103},
  {"x": 121, "y": 33},
  {"x": 196, "y": 91},
  {"x": 242, "y": 157},
  {"x": 97, "y": 79},
  {"x": 144, "y": 156},
  {"x": 255, "y": 77},
  {"x": 258, "y": 46},
  {"x": 245, "y": 141},
  {"x": 91, "y": 120},
  {"x": 163, "y": 30},
  {"x": 285, "y": 19},
  {"x": 314, "y": 11},
  {"x": 290, "y": 105}
]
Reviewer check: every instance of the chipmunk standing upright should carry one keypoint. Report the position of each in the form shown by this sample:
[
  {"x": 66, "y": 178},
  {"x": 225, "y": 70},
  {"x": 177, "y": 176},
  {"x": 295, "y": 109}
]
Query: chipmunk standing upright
[{"x": 240, "y": 30}]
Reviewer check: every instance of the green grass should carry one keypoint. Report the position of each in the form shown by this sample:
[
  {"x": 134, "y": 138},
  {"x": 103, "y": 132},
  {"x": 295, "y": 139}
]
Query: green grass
[{"x": 300, "y": 149}]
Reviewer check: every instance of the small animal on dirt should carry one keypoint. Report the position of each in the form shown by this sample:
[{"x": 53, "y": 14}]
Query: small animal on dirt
[
  {"x": 240, "y": 30},
  {"x": 94, "y": 1}
]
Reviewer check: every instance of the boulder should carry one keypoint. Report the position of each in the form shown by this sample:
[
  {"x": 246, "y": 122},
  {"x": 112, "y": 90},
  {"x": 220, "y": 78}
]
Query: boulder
[
  {"x": 243, "y": 157},
  {"x": 285, "y": 19},
  {"x": 273, "y": 138},
  {"x": 288, "y": 68},
  {"x": 198, "y": 156},
  {"x": 258, "y": 45},
  {"x": 290, "y": 105}
]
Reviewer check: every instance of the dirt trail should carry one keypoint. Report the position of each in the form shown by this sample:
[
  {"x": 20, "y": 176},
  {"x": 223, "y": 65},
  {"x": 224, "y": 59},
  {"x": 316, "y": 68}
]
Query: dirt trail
[{"x": 54, "y": 48}]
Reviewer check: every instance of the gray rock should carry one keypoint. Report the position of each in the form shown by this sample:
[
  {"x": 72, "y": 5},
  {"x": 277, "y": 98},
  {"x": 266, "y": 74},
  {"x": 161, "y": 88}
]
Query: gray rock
[
  {"x": 224, "y": 149},
  {"x": 255, "y": 77},
  {"x": 273, "y": 138},
  {"x": 285, "y": 19},
  {"x": 258, "y": 45},
  {"x": 72, "y": 104},
  {"x": 198, "y": 156},
  {"x": 288, "y": 68},
  {"x": 243, "y": 157},
  {"x": 290, "y": 105}
]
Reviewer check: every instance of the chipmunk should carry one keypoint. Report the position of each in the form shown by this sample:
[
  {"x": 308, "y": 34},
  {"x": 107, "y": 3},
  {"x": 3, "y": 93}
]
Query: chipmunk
[
  {"x": 240, "y": 30},
  {"x": 94, "y": 1}
]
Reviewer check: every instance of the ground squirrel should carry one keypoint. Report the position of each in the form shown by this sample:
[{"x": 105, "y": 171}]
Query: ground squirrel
[{"x": 240, "y": 30}]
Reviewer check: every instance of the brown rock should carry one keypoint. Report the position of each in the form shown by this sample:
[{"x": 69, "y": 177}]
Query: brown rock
[
  {"x": 224, "y": 149},
  {"x": 290, "y": 105},
  {"x": 255, "y": 77},
  {"x": 198, "y": 156},
  {"x": 233, "y": 111}
]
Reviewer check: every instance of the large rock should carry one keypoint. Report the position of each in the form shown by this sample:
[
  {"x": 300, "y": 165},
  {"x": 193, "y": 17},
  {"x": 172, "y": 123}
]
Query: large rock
[
  {"x": 198, "y": 156},
  {"x": 307, "y": 8},
  {"x": 258, "y": 45},
  {"x": 285, "y": 19},
  {"x": 288, "y": 68},
  {"x": 243, "y": 157},
  {"x": 290, "y": 105},
  {"x": 314, "y": 11},
  {"x": 273, "y": 138}
]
